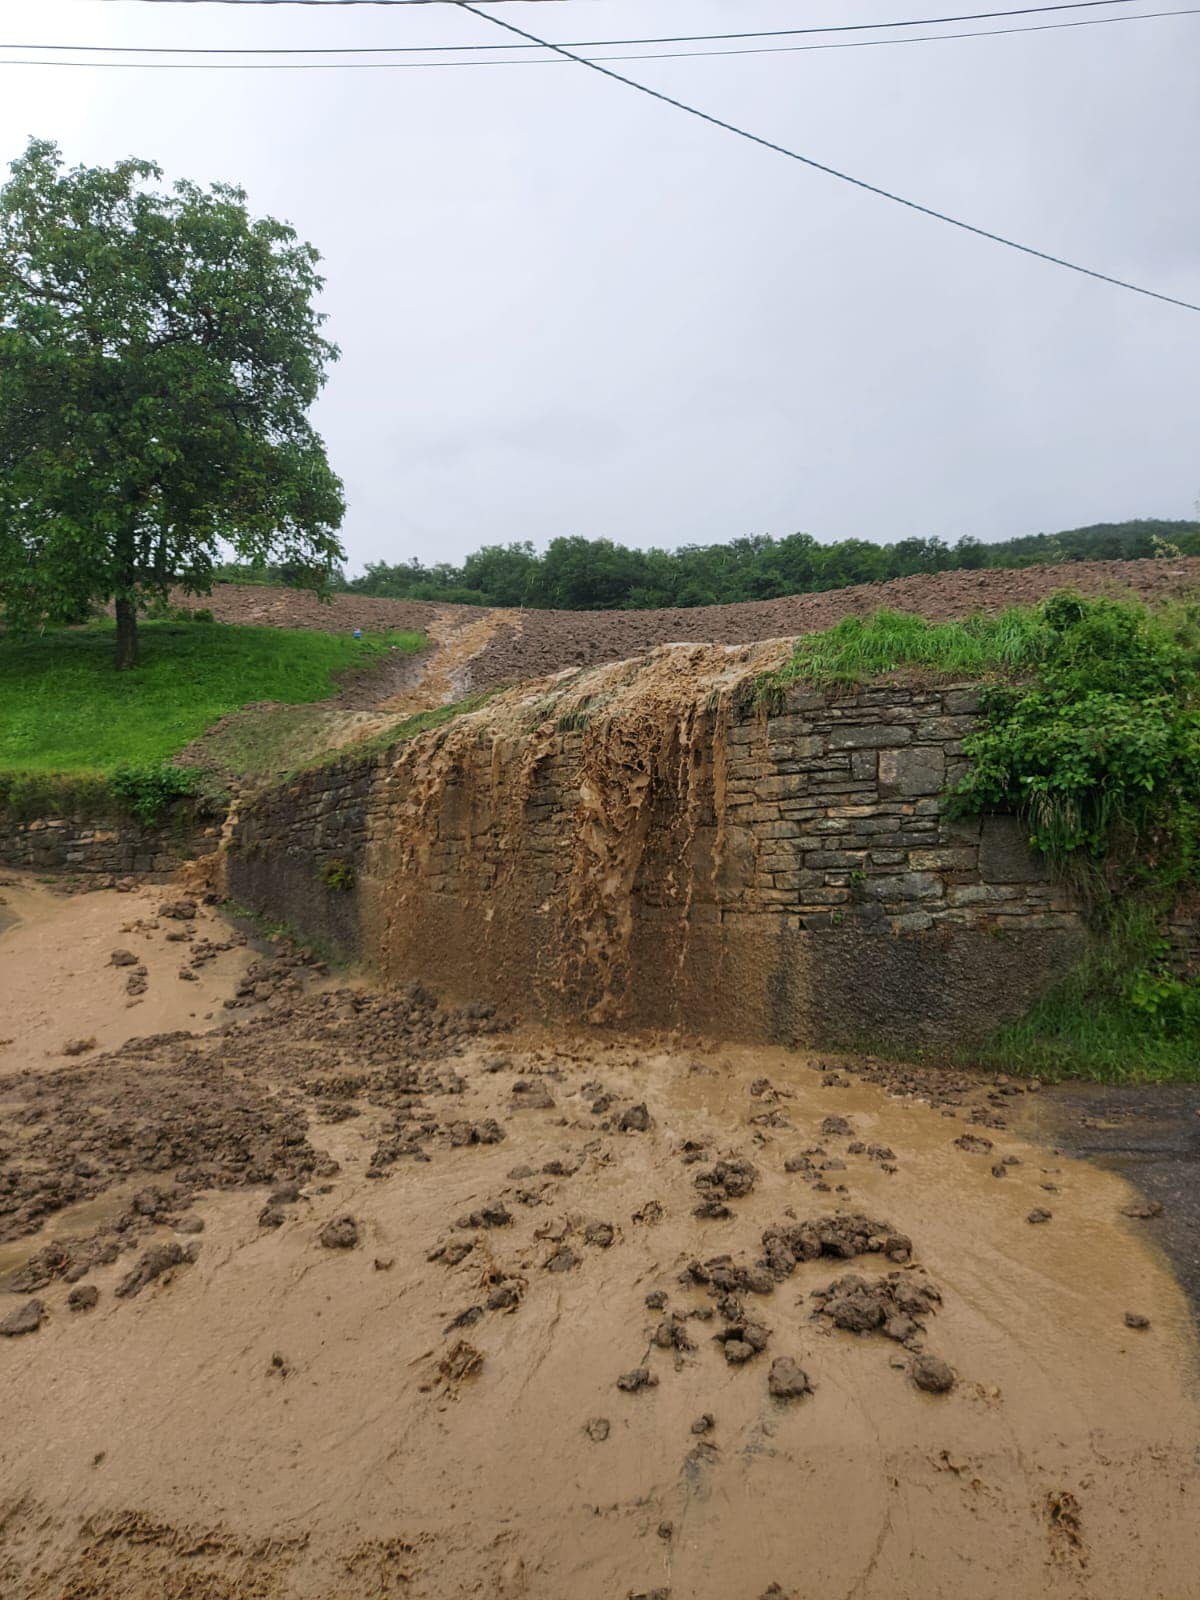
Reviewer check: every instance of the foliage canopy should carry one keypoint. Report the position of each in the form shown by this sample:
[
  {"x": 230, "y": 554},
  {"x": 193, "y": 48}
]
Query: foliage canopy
[{"x": 159, "y": 351}]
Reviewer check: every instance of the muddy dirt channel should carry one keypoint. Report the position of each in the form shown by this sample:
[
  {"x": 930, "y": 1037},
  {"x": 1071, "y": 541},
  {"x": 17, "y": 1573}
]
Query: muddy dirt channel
[{"x": 309, "y": 1291}]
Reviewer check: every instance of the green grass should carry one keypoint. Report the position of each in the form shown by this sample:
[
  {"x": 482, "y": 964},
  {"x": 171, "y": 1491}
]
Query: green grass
[
  {"x": 1075, "y": 1033},
  {"x": 1119, "y": 1016},
  {"x": 64, "y": 709},
  {"x": 858, "y": 649}
]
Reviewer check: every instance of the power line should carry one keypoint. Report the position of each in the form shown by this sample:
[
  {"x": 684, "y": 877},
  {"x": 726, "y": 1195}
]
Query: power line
[
  {"x": 820, "y": 166},
  {"x": 573, "y": 44},
  {"x": 656, "y": 55},
  {"x": 508, "y": 61}
]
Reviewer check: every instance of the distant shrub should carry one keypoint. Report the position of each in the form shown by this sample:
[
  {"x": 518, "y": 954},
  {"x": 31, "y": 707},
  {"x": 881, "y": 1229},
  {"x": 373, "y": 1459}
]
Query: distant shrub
[{"x": 26, "y": 796}]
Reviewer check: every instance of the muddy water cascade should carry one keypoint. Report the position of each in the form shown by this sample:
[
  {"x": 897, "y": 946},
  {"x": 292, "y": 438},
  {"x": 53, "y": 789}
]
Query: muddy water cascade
[{"x": 651, "y": 733}]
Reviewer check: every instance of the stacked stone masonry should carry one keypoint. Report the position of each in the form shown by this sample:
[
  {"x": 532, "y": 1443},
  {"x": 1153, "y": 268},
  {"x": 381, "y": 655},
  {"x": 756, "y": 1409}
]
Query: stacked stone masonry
[
  {"x": 839, "y": 807},
  {"x": 109, "y": 847},
  {"x": 792, "y": 877},
  {"x": 787, "y": 877}
]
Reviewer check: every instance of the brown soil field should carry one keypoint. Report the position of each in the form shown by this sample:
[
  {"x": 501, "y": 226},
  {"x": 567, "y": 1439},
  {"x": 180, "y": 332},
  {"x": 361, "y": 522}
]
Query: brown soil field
[
  {"x": 525, "y": 644},
  {"x": 317, "y": 1293}
]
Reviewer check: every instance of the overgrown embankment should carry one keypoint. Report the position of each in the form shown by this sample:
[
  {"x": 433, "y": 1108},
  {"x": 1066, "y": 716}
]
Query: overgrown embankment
[
  {"x": 78, "y": 738},
  {"x": 1089, "y": 736}
]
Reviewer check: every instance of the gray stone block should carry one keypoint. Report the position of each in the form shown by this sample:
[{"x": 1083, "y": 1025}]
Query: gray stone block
[
  {"x": 919, "y": 770},
  {"x": 1005, "y": 856}
]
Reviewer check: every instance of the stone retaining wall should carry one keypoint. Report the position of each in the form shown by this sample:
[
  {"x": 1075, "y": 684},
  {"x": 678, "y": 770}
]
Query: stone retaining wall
[
  {"x": 298, "y": 853},
  {"x": 108, "y": 847},
  {"x": 791, "y": 877}
]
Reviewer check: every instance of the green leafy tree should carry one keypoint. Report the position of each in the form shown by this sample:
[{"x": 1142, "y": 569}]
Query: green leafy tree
[{"x": 159, "y": 352}]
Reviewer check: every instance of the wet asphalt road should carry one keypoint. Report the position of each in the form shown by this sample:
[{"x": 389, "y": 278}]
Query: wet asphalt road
[{"x": 1150, "y": 1134}]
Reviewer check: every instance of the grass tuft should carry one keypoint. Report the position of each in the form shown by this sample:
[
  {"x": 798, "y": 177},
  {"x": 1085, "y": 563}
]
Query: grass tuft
[{"x": 858, "y": 649}]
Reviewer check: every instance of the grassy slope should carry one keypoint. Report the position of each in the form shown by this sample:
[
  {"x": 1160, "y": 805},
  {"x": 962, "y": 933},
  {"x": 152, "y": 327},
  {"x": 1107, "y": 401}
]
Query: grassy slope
[{"x": 64, "y": 709}]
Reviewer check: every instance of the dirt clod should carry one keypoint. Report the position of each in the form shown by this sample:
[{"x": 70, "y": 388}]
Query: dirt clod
[
  {"x": 153, "y": 1263},
  {"x": 639, "y": 1378},
  {"x": 341, "y": 1233},
  {"x": 787, "y": 1381},
  {"x": 83, "y": 1297},
  {"x": 25, "y": 1319},
  {"x": 932, "y": 1374},
  {"x": 462, "y": 1361},
  {"x": 634, "y": 1119}
]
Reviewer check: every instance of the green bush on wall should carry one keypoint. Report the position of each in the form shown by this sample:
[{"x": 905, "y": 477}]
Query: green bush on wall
[
  {"x": 1090, "y": 736},
  {"x": 1099, "y": 754},
  {"x": 146, "y": 792}
]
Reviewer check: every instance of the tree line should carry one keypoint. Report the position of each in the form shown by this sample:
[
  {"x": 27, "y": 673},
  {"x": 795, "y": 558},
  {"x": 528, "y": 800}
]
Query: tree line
[{"x": 577, "y": 574}]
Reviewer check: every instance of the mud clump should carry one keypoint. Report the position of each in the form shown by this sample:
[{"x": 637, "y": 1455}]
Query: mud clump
[
  {"x": 973, "y": 1144},
  {"x": 634, "y": 1119},
  {"x": 25, "y": 1319},
  {"x": 931, "y": 1374},
  {"x": 727, "y": 1180},
  {"x": 787, "y": 1381},
  {"x": 1134, "y": 1319},
  {"x": 1039, "y": 1214},
  {"x": 530, "y": 1097},
  {"x": 842, "y": 1237},
  {"x": 893, "y": 1305},
  {"x": 598, "y": 1429},
  {"x": 83, "y": 1298},
  {"x": 835, "y": 1127},
  {"x": 460, "y": 1362},
  {"x": 740, "y": 1341},
  {"x": 178, "y": 910},
  {"x": 640, "y": 1378},
  {"x": 672, "y": 1334},
  {"x": 152, "y": 1264},
  {"x": 340, "y": 1233},
  {"x": 493, "y": 1215},
  {"x": 467, "y": 1133}
]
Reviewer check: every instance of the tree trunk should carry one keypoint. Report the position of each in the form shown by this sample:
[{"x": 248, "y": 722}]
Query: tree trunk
[{"x": 127, "y": 635}]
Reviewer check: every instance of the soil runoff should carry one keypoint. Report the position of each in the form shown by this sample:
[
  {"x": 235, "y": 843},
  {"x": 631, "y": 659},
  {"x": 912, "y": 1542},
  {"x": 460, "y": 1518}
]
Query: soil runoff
[{"x": 309, "y": 1291}]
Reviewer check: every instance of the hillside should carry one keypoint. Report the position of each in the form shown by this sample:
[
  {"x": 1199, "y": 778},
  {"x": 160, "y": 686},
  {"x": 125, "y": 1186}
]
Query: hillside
[
  {"x": 64, "y": 710},
  {"x": 520, "y": 644}
]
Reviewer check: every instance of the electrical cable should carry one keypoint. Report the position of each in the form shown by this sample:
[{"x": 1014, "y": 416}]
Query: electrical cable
[
  {"x": 590, "y": 44},
  {"x": 539, "y": 61},
  {"x": 820, "y": 166}
]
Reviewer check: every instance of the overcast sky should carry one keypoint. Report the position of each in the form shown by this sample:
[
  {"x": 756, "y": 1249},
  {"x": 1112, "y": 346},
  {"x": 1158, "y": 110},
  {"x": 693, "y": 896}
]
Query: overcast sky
[{"x": 564, "y": 308}]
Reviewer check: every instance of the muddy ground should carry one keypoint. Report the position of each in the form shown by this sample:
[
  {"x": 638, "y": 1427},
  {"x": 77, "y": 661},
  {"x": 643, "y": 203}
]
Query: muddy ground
[
  {"x": 524, "y": 644},
  {"x": 337, "y": 1294}
]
